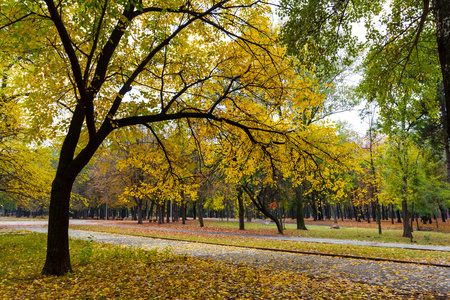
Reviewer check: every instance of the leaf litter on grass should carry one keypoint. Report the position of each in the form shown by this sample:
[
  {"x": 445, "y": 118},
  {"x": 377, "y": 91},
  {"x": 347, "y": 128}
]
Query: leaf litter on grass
[
  {"x": 132, "y": 273},
  {"x": 364, "y": 251}
]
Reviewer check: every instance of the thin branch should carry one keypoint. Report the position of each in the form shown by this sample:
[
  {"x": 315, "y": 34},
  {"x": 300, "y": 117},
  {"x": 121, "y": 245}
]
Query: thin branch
[
  {"x": 16, "y": 21},
  {"x": 95, "y": 43},
  {"x": 162, "y": 147},
  {"x": 127, "y": 85},
  {"x": 426, "y": 4}
]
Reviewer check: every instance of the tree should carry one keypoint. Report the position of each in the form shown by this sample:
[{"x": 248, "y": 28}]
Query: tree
[
  {"x": 412, "y": 35},
  {"x": 93, "y": 67},
  {"x": 372, "y": 146}
]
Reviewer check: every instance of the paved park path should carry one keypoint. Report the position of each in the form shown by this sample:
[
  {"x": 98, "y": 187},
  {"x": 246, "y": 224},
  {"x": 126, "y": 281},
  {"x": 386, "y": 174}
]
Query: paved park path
[
  {"x": 406, "y": 277},
  {"x": 272, "y": 237}
]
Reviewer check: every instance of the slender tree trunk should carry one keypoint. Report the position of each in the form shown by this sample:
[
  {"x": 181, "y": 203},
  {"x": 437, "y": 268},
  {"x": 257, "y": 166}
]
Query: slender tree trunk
[
  {"x": 314, "y": 211},
  {"x": 241, "y": 209},
  {"x": 406, "y": 225},
  {"x": 160, "y": 209},
  {"x": 175, "y": 210},
  {"x": 194, "y": 209},
  {"x": 19, "y": 212},
  {"x": 299, "y": 198},
  {"x": 441, "y": 209},
  {"x": 200, "y": 212},
  {"x": 183, "y": 213},
  {"x": 150, "y": 211},
  {"x": 334, "y": 212},
  {"x": 168, "y": 212},
  {"x": 248, "y": 213},
  {"x": 133, "y": 213},
  {"x": 138, "y": 209},
  {"x": 144, "y": 212},
  {"x": 378, "y": 216},
  {"x": 399, "y": 220},
  {"x": 417, "y": 222},
  {"x": 437, "y": 225}
]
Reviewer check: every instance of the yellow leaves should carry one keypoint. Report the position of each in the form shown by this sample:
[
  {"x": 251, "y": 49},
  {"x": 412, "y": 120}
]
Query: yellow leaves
[
  {"x": 107, "y": 271},
  {"x": 216, "y": 202}
]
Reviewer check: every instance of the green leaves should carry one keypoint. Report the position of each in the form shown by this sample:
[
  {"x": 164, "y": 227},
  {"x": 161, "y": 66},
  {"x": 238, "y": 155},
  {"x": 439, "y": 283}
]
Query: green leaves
[{"x": 320, "y": 33}]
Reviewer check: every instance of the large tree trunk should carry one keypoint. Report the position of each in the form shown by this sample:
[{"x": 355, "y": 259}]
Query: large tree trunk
[
  {"x": 441, "y": 10},
  {"x": 58, "y": 257}
]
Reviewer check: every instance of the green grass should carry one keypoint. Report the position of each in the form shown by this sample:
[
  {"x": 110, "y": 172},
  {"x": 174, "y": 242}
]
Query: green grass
[
  {"x": 436, "y": 257},
  {"x": 14, "y": 219},
  {"x": 346, "y": 233},
  {"x": 102, "y": 271}
]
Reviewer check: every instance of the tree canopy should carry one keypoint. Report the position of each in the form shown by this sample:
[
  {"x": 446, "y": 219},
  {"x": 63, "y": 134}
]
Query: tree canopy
[{"x": 88, "y": 68}]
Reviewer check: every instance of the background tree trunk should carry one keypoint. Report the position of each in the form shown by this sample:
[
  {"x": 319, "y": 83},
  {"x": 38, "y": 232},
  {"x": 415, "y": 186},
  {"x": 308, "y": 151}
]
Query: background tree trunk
[
  {"x": 378, "y": 216},
  {"x": 168, "y": 212},
  {"x": 241, "y": 209},
  {"x": 183, "y": 213},
  {"x": 200, "y": 212},
  {"x": 300, "y": 213},
  {"x": 406, "y": 224},
  {"x": 138, "y": 209}
]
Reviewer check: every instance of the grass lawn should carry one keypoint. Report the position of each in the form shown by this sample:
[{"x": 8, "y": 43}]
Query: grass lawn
[
  {"x": 14, "y": 219},
  {"x": 103, "y": 271},
  {"x": 348, "y": 231},
  {"x": 365, "y": 251}
]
